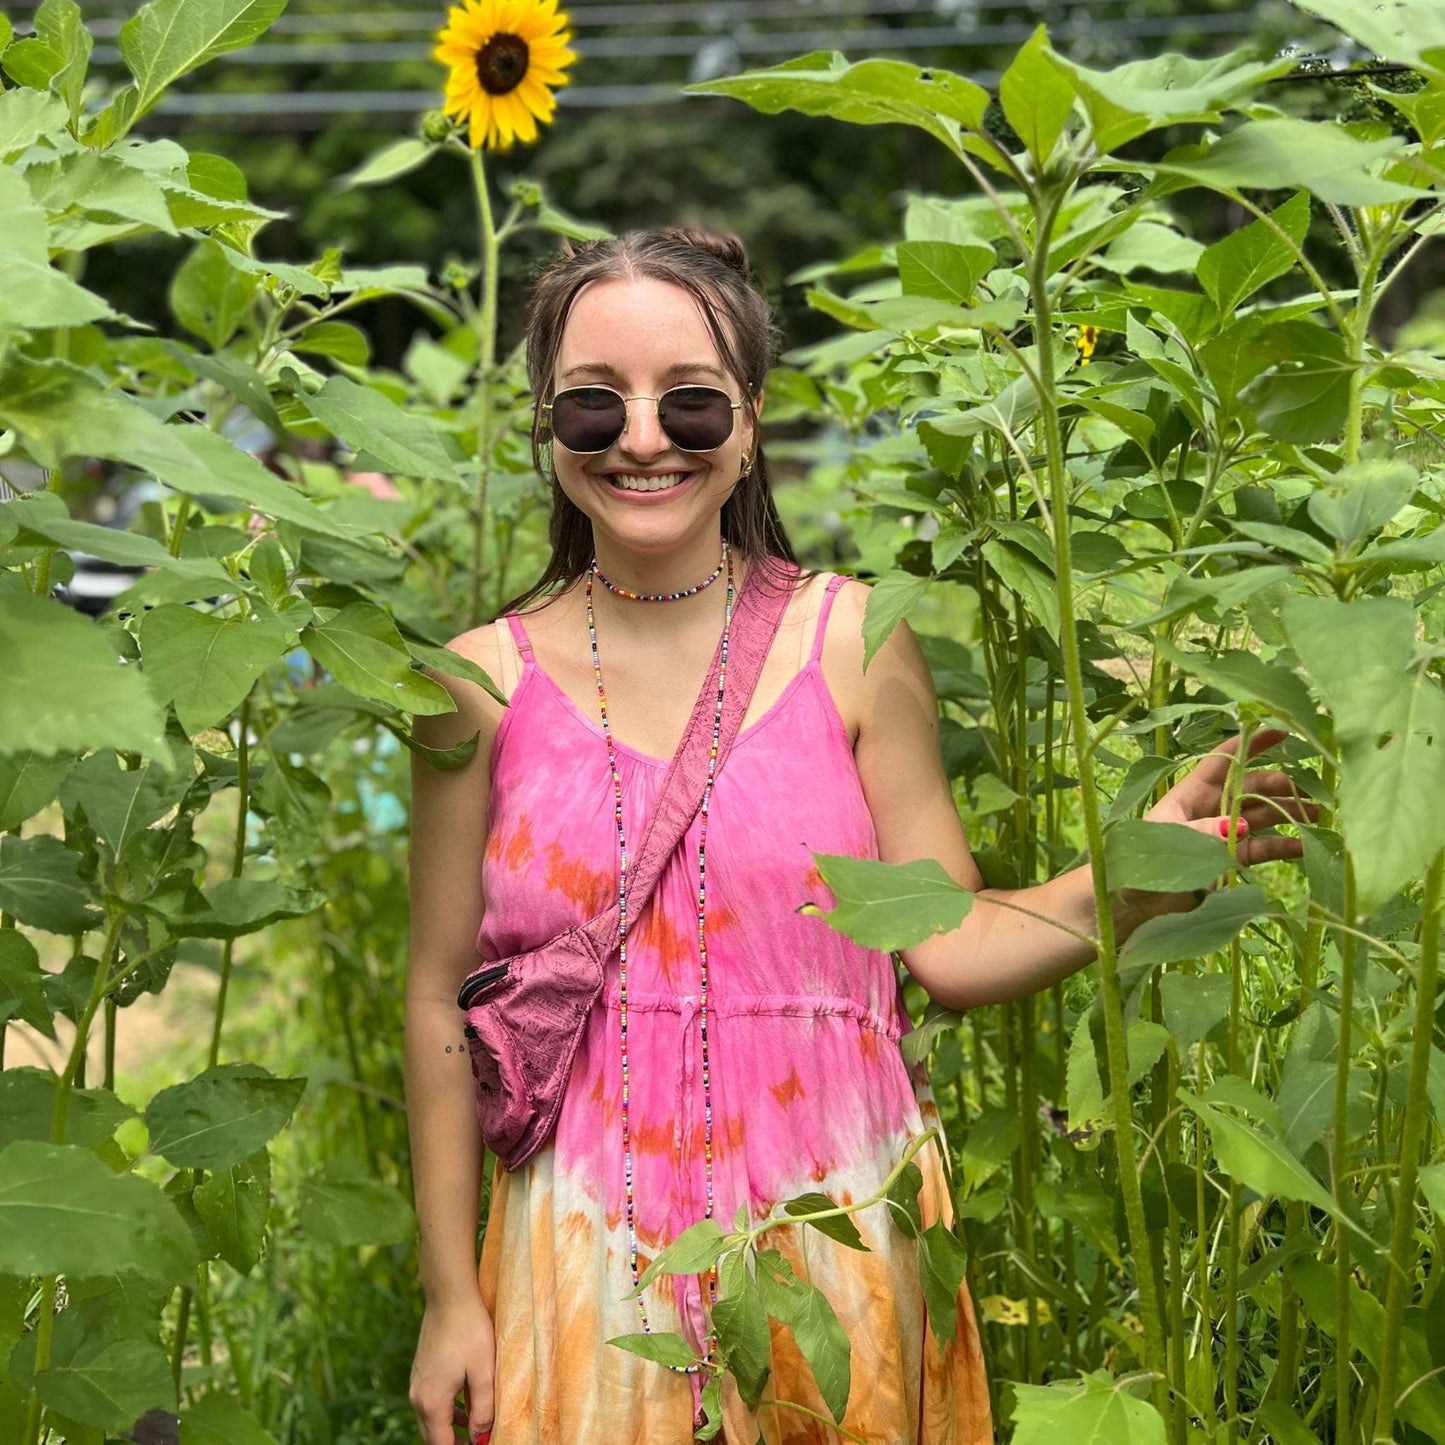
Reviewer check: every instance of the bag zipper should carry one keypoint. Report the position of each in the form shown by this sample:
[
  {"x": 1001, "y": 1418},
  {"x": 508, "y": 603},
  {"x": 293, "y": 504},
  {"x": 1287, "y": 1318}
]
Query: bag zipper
[{"x": 478, "y": 981}]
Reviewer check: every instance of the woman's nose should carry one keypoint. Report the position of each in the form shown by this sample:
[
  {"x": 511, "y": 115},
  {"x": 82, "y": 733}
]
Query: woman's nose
[{"x": 643, "y": 435}]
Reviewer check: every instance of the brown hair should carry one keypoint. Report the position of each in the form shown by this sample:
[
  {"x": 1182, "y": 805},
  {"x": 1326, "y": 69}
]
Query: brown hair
[{"x": 713, "y": 269}]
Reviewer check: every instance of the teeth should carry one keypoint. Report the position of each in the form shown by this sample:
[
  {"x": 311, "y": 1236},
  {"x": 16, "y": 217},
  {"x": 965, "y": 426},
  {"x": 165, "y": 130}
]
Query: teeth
[{"x": 647, "y": 484}]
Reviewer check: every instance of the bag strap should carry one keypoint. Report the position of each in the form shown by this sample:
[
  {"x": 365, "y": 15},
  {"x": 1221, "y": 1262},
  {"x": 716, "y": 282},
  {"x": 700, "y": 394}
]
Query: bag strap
[{"x": 757, "y": 615}]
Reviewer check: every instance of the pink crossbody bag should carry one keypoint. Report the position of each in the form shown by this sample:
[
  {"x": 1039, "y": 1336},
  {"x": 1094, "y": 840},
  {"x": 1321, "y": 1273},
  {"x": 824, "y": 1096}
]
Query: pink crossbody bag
[{"x": 525, "y": 1015}]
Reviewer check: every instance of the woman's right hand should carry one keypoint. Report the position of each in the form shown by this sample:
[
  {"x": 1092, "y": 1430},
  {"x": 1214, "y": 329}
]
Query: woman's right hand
[{"x": 456, "y": 1353}]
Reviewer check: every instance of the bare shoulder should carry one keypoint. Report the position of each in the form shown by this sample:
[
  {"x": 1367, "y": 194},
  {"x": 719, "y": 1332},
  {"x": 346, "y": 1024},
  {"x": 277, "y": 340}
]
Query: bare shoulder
[
  {"x": 477, "y": 710},
  {"x": 898, "y": 659}
]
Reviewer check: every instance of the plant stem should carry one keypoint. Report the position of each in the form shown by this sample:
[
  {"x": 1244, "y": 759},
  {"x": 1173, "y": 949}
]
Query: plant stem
[
  {"x": 486, "y": 365},
  {"x": 1412, "y": 1138},
  {"x": 1342, "y": 1163},
  {"x": 1151, "y": 1317}
]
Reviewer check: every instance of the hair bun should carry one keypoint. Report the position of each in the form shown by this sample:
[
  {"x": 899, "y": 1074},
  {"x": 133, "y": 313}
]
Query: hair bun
[{"x": 724, "y": 245}]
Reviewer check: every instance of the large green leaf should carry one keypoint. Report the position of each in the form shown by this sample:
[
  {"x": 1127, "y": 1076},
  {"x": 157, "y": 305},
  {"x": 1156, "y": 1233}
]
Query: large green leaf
[
  {"x": 41, "y": 885},
  {"x": 660, "y": 1347},
  {"x": 27, "y": 1108},
  {"x": 120, "y": 802},
  {"x": 27, "y": 783},
  {"x": 872, "y": 92},
  {"x": 942, "y": 1265},
  {"x": 1409, "y": 32},
  {"x": 1096, "y": 1409},
  {"x": 1233, "y": 269},
  {"x": 1361, "y": 499},
  {"x": 105, "y": 1369},
  {"x": 890, "y": 600},
  {"x": 240, "y": 905},
  {"x": 221, "y": 1117},
  {"x": 25, "y": 115},
  {"x": 890, "y": 905},
  {"x": 218, "y": 1418},
  {"x": 125, "y": 549},
  {"x": 1036, "y": 98},
  {"x": 943, "y": 270},
  {"x": 403, "y": 441},
  {"x": 835, "y": 1226},
  {"x": 1143, "y": 95},
  {"x": 234, "y": 1205},
  {"x": 347, "y": 1205},
  {"x": 167, "y": 38},
  {"x": 1176, "y": 936},
  {"x": 1193, "y": 1005},
  {"x": 209, "y": 296},
  {"x": 204, "y": 664},
  {"x": 1306, "y": 396},
  {"x": 64, "y": 1212},
  {"x": 1163, "y": 857},
  {"x": 1246, "y": 677},
  {"x": 22, "y": 985},
  {"x": 1321, "y": 157},
  {"x": 1256, "y": 1158},
  {"x": 741, "y": 1323},
  {"x": 821, "y": 1340},
  {"x": 362, "y": 649}
]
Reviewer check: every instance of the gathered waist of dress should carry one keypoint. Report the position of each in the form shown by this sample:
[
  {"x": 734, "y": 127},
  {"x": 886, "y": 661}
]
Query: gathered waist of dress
[{"x": 760, "y": 1005}]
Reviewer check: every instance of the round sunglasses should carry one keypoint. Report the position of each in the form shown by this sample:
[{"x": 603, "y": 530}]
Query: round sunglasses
[{"x": 589, "y": 419}]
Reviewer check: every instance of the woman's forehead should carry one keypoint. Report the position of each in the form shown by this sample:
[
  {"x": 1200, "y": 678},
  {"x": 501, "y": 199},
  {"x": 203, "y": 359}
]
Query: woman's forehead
[{"x": 625, "y": 314}]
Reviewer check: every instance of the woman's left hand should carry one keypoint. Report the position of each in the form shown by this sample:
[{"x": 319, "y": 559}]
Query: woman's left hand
[{"x": 1267, "y": 796}]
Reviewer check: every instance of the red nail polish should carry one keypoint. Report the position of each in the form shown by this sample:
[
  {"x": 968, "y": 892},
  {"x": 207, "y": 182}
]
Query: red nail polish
[{"x": 482, "y": 1437}]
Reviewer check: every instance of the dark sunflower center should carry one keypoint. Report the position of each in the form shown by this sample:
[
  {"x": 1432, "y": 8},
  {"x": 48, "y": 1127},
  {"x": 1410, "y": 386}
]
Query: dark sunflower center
[{"x": 502, "y": 63}]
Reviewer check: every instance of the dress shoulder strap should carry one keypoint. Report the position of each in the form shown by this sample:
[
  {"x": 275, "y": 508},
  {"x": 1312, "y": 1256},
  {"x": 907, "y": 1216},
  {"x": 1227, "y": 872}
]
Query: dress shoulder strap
[
  {"x": 834, "y": 583},
  {"x": 519, "y": 635}
]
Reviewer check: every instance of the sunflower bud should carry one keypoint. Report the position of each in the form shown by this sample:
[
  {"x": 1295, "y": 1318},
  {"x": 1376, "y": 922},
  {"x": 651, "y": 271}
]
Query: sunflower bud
[{"x": 435, "y": 127}]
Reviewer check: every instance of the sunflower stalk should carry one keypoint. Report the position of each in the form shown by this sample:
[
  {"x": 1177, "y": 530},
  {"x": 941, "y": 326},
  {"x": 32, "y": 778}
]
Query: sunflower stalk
[{"x": 486, "y": 323}]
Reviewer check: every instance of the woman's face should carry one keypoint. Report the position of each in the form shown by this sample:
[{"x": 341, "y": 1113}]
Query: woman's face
[{"x": 642, "y": 337}]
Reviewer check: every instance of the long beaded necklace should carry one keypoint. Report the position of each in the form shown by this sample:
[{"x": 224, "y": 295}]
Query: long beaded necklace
[
  {"x": 622, "y": 929},
  {"x": 620, "y": 591}
]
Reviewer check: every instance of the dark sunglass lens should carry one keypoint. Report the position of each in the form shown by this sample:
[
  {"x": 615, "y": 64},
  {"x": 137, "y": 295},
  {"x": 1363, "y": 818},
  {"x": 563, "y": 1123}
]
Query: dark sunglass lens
[
  {"x": 588, "y": 418},
  {"x": 696, "y": 418}
]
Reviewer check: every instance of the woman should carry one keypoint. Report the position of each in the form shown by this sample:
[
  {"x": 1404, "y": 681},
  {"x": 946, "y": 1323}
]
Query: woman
[{"x": 761, "y": 1046}]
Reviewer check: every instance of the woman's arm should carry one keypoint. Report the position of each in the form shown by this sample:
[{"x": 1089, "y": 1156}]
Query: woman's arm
[
  {"x": 448, "y": 835},
  {"x": 999, "y": 952}
]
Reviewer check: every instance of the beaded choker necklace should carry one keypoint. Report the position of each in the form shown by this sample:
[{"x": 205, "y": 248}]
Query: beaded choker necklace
[
  {"x": 622, "y": 929},
  {"x": 617, "y": 591}
]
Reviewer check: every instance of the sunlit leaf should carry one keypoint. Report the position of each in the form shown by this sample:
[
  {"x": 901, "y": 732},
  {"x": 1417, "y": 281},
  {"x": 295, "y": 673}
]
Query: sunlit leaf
[
  {"x": 1212, "y": 925},
  {"x": 220, "y": 1117},
  {"x": 1096, "y": 1408},
  {"x": 1162, "y": 857},
  {"x": 890, "y": 905}
]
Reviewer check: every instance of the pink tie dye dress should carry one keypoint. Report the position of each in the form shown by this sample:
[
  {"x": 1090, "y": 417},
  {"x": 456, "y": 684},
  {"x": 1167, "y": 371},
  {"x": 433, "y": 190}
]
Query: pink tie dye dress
[{"x": 809, "y": 1089}]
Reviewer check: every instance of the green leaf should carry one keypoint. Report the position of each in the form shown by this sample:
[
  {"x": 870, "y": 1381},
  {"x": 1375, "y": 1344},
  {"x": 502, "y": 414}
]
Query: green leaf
[
  {"x": 122, "y": 802},
  {"x": 872, "y": 92},
  {"x": 219, "y": 1419},
  {"x": 890, "y": 905},
  {"x": 1021, "y": 573},
  {"x": 1162, "y": 857},
  {"x": 1284, "y": 1426},
  {"x": 22, "y": 987},
  {"x": 1036, "y": 98},
  {"x": 166, "y": 39},
  {"x": 1096, "y": 1408},
  {"x": 890, "y": 600},
  {"x": 1233, "y": 269},
  {"x": 1151, "y": 246},
  {"x": 125, "y": 549},
  {"x": 100, "y": 1372},
  {"x": 234, "y": 1204},
  {"x": 694, "y": 1250},
  {"x": 1409, "y": 32},
  {"x": 221, "y": 1117},
  {"x": 559, "y": 223},
  {"x": 27, "y": 1107},
  {"x": 397, "y": 159},
  {"x": 243, "y": 382},
  {"x": 1246, "y": 677},
  {"x": 41, "y": 885},
  {"x": 1084, "y": 1089},
  {"x": 1432, "y": 1186},
  {"x": 1322, "y": 157},
  {"x": 1144, "y": 95},
  {"x": 240, "y": 905},
  {"x": 443, "y": 659},
  {"x": 1361, "y": 499},
  {"x": 943, "y": 1263},
  {"x": 347, "y": 1205},
  {"x": 206, "y": 665},
  {"x": 661, "y": 1348},
  {"x": 1306, "y": 396},
  {"x": 1258, "y": 1160},
  {"x": 1194, "y": 1005},
  {"x": 337, "y": 339},
  {"x": 743, "y": 1336},
  {"x": 943, "y": 270},
  {"x": 362, "y": 649},
  {"x": 987, "y": 1144},
  {"x": 63, "y": 1212},
  {"x": 1176, "y": 936},
  {"x": 26, "y": 115},
  {"x": 1307, "y": 1102},
  {"x": 824, "y": 1343},
  {"x": 403, "y": 441},
  {"x": 903, "y": 1202},
  {"x": 209, "y": 295},
  {"x": 838, "y": 1226},
  {"x": 27, "y": 783}
]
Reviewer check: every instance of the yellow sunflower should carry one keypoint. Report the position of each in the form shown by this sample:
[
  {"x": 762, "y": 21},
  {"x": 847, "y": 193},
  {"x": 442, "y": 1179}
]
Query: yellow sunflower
[{"x": 505, "y": 58}]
